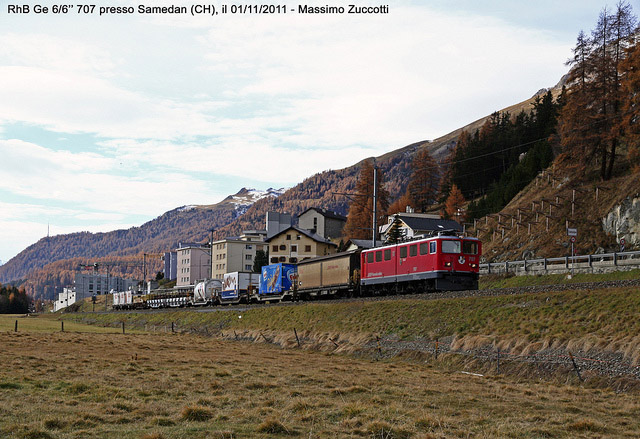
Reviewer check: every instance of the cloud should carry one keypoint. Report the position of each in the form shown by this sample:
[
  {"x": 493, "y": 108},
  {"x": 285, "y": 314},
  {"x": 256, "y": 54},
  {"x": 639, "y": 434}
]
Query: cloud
[
  {"x": 87, "y": 182},
  {"x": 177, "y": 106}
]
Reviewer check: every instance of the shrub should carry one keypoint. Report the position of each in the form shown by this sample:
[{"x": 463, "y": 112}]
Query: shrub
[{"x": 196, "y": 413}]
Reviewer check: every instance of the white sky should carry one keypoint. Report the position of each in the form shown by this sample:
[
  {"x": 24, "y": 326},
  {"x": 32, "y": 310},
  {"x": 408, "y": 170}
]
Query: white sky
[{"x": 108, "y": 121}]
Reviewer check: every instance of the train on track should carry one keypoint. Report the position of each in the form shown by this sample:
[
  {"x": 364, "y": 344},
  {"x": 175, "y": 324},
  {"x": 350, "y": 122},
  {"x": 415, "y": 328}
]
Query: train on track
[{"x": 442, "y": 262}]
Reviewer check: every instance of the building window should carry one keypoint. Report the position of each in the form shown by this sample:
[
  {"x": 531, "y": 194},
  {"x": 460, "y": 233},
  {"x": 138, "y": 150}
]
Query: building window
[
  {"x": 307, "y": 248},
  {"x": 282, "y": 259},
  {"x": 248, "y": 257},
  {"x": 274, "y": 259},
  {"x": 248, "y": 247},
  {"x": 294, "y": 248},
  {"x": 248, "y": 267},
  {"x": 293, "y": 260},
  {"x": 288, "y": 237},
  {"x": 283, "y": 247},
  {"x": 274, "y": 248},
  {"x": 298, "y": 237}
]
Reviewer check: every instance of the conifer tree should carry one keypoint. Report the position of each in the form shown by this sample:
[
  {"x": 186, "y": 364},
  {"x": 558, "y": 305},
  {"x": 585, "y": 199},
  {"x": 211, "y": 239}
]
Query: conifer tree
[
  {"x": 360, "y": 218},
  {"x": 590, "y": 118},
  {"x": 423, "y": 184},
  {"x": 396, "y": 233},
  {"x": 453, "y": 206}
]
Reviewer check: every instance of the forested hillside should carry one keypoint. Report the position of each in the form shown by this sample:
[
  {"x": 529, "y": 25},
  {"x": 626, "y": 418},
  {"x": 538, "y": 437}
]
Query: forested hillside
[
  {"x": 185, "y": 224},
  {"x": 588, "y": 132}
]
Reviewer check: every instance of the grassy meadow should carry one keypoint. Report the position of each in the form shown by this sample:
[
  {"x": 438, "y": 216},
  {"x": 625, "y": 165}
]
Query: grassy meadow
[
  {"x": 604, "y": 319},
  {"x": 239, "y": 373},
  {"x": 154, "y": 386}
]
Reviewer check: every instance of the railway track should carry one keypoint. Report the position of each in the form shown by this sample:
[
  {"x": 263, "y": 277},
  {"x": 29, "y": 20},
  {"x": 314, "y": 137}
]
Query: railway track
[{"x": 418, "y": 296}]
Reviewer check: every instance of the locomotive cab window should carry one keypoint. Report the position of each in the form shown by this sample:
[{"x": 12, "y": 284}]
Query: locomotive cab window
[
  {"x": 403, "y": 252},
  {"x": 387, "y": 254},
  {"x": 369, "y": 258},
  {"x": 470, "y": 248},
  {"x": 379, "y": 256},
  {"x": 413, "y": 250},
  {"x": 449, "y": 246},
  {"x": 432, "y": 247},
  {"x": 424, "y": 248}
]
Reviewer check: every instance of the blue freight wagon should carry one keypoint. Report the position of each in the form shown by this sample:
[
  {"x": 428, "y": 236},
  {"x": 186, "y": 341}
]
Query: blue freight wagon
[{"x": 277, "y": 281}]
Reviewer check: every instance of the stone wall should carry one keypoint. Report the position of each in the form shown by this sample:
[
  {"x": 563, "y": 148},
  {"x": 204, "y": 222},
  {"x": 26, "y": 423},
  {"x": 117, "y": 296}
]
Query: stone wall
[{"x": 624, "y": 222}]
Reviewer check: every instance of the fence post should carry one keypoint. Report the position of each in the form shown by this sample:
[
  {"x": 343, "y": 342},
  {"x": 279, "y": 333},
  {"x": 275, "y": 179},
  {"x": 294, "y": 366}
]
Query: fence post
[
  {"x": 525, "y": 269},
  {"x": 575, "y": 366},
  {"x": 123, "y": 327},
  {"x": 16, "y": 328},
  {"x": 566, "y": 262},
  {"x": 62, "y": 326},
  {"x": 379, "y": 348},
  {"x": 590, "y": 264},
  {"x": 545, "y": 264},
  {"x": 488, "y": 267},
  {"x": 506, "y": 266},
  {"x": 498, "y": 369},
  {"x": 615, "y": 259},
  {"x": 297, "y": 339},
  {"x": 436, "y": 349},
  {"x": 172, "y": 328}
]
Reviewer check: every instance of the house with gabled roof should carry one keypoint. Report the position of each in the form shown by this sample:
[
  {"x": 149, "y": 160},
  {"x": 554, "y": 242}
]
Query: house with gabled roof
[
  {"x": 417, "y": 224},
  {"x": 323, "y": 222},
  {"x": 295, "y": 244}
]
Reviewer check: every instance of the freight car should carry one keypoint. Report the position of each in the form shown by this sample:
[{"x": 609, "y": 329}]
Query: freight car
[
  {"x": 444, "y": 261},
  {"x": 332, "y": 275},
  {"x": 277, "y": 282},
  {"x": 238, "y": 287}
]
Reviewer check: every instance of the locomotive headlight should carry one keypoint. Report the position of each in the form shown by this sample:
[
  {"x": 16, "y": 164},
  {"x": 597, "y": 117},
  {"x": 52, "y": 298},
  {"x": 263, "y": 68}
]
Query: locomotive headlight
[
  {"x": 447, "y": 264},
  {"x": 474, "y": 265}
]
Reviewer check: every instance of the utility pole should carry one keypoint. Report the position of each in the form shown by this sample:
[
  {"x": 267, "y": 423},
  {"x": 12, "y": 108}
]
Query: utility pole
[{"x": 375, "y": 202}]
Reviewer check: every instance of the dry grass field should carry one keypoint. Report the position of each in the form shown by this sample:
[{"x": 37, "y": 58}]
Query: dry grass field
[{"x": 155, "y": 386}]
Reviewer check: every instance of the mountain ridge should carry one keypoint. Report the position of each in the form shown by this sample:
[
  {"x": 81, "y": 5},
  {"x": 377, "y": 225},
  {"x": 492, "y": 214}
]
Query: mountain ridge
[{"x": 236, "y": 212}]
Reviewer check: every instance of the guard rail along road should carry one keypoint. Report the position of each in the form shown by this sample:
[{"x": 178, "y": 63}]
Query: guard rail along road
[{"x": 601, "y": 263}]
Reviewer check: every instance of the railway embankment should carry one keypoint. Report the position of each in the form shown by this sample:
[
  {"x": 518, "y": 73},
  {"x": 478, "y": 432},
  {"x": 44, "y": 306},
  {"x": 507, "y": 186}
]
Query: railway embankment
[{"x": 585, "y": 331}]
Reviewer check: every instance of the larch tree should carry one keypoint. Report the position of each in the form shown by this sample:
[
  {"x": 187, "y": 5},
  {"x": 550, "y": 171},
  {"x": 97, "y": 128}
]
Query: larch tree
[
  {"x": 360, "y": 218},
  {"x": 423, "y": 184},
  {"x": 453, "y": 206},
  {"x": 629, "y": 125},
  {"x": 590, "y": 118}
]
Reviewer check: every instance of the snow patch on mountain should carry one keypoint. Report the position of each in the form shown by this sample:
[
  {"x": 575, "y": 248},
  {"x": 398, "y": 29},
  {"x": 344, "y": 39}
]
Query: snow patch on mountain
[{"x": 247, "y": 196}]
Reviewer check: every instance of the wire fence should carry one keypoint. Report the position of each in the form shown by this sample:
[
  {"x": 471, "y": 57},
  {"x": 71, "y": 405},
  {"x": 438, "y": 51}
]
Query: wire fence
[{"x": 579, "y": 263}]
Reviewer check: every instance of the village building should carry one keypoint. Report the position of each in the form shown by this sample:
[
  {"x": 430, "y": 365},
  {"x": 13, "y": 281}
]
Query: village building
[
  {"x": 323, "y": 222},
  {"x": 236, "y": 253},
  {"x": 296, "y": 244}
]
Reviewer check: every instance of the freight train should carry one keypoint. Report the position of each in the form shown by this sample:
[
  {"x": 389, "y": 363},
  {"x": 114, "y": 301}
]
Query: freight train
[{"x": 441, "y": 262}]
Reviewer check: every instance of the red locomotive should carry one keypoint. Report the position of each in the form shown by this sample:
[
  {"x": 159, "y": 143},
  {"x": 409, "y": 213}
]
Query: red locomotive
[{"x": 442, "y": 262}]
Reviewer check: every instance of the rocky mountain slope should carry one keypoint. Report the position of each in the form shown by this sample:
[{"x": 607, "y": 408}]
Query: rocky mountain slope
[
  {"x": 241, "y": 211},
  {"x": 184, "y": 224}
]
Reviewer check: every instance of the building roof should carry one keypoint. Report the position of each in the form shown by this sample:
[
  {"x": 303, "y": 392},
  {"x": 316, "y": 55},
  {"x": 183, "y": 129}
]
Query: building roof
[
  {"x": 417, "y": 223},
  {"x": 326, "y": 213},
  {"x": 361, "y": 243},
  {"x": 306, "y": 233}
]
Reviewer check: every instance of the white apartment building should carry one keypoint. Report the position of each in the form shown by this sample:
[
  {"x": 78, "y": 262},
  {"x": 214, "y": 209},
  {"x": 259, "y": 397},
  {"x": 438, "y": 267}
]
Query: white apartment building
[
  {"x": 236, "y": 253},
  {"x": 194, "y": 264}
]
